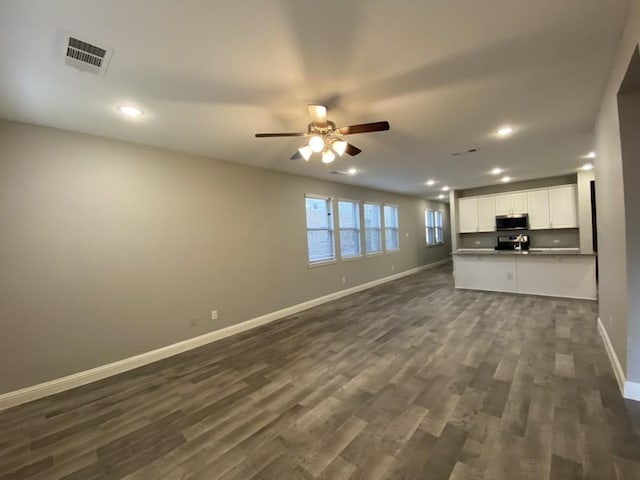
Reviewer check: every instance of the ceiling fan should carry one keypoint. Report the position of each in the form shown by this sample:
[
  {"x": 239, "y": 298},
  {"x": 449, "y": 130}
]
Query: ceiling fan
[{"x": 325, "y": 137}]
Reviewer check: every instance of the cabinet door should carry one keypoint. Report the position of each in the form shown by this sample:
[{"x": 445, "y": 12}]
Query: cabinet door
[
  {"x": 538, "y": 203},
  {"x": 468, "y": 210},
  {"x": 563, "y": 207},
  {"x": 486, "y": 214},
  {"x": 503, "y": 204},
  {"x": 518, "y": 202}
]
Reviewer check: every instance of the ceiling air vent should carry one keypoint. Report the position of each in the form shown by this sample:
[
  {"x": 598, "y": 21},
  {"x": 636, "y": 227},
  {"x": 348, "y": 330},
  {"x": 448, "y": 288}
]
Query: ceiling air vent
[
  {"x": 87, "y": 57},
  {"x": 464, "y": 152}
]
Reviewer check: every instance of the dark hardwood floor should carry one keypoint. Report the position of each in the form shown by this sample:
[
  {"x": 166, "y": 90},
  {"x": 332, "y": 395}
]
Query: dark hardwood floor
[{"x": 411, "y": 379}]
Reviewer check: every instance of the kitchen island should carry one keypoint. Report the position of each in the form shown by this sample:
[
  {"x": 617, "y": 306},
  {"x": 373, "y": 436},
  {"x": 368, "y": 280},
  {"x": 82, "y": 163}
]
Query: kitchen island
[{"x": 549, "y": 272}]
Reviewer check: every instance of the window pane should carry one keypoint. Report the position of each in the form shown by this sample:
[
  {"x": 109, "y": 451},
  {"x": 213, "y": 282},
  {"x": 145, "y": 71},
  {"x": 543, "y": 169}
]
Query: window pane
[
  {"x": 439, "y": 238},
  {"x": 439, "y": 219},
  {"x": 349, "y": 242},
  {"x": 430, "y": 221},
  {"x": 372, "y": 240},
  {"x": 320, "y": 245},
  {"x": 317, "y": 213},
  {"x": 391, "y": 239},
  {"x": 430, "y": 236},
  {"x": 390, "y": 216},
  {"x": 320, "y": 242},
  {"x": 349, "y": 220},
  {"x": 372, "y": 228},
  {"x": 348, "y": 215}
]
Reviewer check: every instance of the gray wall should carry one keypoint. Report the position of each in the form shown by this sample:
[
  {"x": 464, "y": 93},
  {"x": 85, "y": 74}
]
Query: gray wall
[
  {"x": 612, "y": 259},
  {"x": 109, "y": 249},
  {"x": 629, "y": 111}
]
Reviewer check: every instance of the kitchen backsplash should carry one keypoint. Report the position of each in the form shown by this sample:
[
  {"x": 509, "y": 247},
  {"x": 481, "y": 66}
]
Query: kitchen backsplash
[{"x": 566, "y": 237}]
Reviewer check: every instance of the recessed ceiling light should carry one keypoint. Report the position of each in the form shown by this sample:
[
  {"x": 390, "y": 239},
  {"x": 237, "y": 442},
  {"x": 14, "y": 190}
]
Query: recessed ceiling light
[
  {"x": 441, "y": 196},
  {"x": 352, "y": 171},
  {"x": 445, "y": 188},
  {"x": 430, "y": 182},
  {"x": 130, "y": 111},
  {"x": 505, "y": 179},
  {"x": 505, "y": 131},
  {"x": 496, "y": 171},
  {"x": 587, "y": 166},
  {"x": 590, "y": 155}
]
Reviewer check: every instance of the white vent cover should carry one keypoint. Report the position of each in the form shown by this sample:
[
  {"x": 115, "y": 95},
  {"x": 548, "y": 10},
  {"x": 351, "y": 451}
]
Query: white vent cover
[{"x": 87, "y": 57}]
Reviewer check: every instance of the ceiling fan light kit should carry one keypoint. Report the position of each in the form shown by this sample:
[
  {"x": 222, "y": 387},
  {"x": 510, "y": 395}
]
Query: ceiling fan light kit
[
  {"x": 325, "y": 137},
  {"x": 339, "y": 146},
  {"x": 316, "y": 143},
  {"x": 328, "y": 156},
  {"x": 305, "y": 152}
]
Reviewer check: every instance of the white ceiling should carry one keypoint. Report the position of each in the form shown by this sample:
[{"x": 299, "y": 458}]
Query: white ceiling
[{"x": 211, "y": 74}]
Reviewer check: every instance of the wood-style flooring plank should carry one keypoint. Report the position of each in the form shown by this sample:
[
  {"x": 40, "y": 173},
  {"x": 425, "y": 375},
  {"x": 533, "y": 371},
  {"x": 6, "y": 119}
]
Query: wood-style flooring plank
[{"x": 412, "y": 379}]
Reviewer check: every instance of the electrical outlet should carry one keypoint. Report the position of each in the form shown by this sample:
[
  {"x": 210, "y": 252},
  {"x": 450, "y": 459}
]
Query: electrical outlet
[
  {"x": 193, "y": 321},
  {"x": 556, "y": 241},
  {"x": 477, "y": 242},
  {"x": 393, "y": 267},
  {"x": 214, "y": 314},
  {"x": 406, "y": 234},
  {"x": 344, "y": 279}
]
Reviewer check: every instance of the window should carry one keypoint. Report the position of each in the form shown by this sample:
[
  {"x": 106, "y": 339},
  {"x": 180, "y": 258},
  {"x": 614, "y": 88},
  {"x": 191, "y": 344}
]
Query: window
[
  {"x": 372, "y": 237},
  {"x": 433, "y": 223},
  {"x": 391, "y": 241},
  {"x": 349, "y": 220},
  {"x": 320, "y": 240},
  {"x": 439, "y": 232}
]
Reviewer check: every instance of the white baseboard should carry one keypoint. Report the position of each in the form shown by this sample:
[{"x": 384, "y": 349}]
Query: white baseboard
[
  {"x": 632, "y": 391},
  {"x": 629, "y": 390},
  {"x": 58, "y": 385}
]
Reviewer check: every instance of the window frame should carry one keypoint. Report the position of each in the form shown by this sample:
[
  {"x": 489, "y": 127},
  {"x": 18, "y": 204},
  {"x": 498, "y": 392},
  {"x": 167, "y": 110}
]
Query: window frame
[
  {"x": 358, "y": 216},
  {"x": 331, "y": 228},
  {"x": 434, "y": 229},
  {"x": 379, "y": 229},
  {"x": 396, "y": 229},
  {"x": 439, "y": 228}
]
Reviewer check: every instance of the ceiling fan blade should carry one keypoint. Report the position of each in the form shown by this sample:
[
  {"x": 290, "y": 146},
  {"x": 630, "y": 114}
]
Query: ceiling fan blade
[
  {"x": 318, "y": 114},
  {"x": 296, "y": 155},
  {"x": 363, "y": 128},
  {"x": 352, "y": 150},
  {"x": 288, "y": 134}
]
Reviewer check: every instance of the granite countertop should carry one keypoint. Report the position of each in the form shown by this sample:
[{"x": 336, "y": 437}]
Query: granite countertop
[{"x": 532, "y": 251}]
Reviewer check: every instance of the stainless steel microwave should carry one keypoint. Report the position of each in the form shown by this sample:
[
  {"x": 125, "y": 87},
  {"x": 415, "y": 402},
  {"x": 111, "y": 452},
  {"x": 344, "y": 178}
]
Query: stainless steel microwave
[{"x": 512, "y": 222}]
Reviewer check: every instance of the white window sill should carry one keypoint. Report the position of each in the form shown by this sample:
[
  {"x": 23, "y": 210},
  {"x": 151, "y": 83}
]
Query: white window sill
[
  {"x": 350, "y": 258},
  {"x": 374, "y": 254},
  {"x": 395, "y": 250},
  {"x": 322, "y": 263}
]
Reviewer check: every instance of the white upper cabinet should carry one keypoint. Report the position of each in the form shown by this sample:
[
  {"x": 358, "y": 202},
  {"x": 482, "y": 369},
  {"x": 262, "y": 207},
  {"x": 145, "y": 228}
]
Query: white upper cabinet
[
  {"x": 503, "y": 205},
  {"x": 538, "y": 203},
  {"x": 518, "y": 202},
  {"x": 486, "y": 214},
  {"x": 552, "y": 207},
  {"x": 511, "y": 203},
  {"x": 563, "y": 207},
  {"x": 468, "y": 212}
]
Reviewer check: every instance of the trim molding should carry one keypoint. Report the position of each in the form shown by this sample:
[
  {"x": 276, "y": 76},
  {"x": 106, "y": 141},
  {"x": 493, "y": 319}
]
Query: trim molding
[
  {"x": 629, "y": 390},
  {"x": 613, "y": 358},
  {"x": 41, "y": 390}
]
